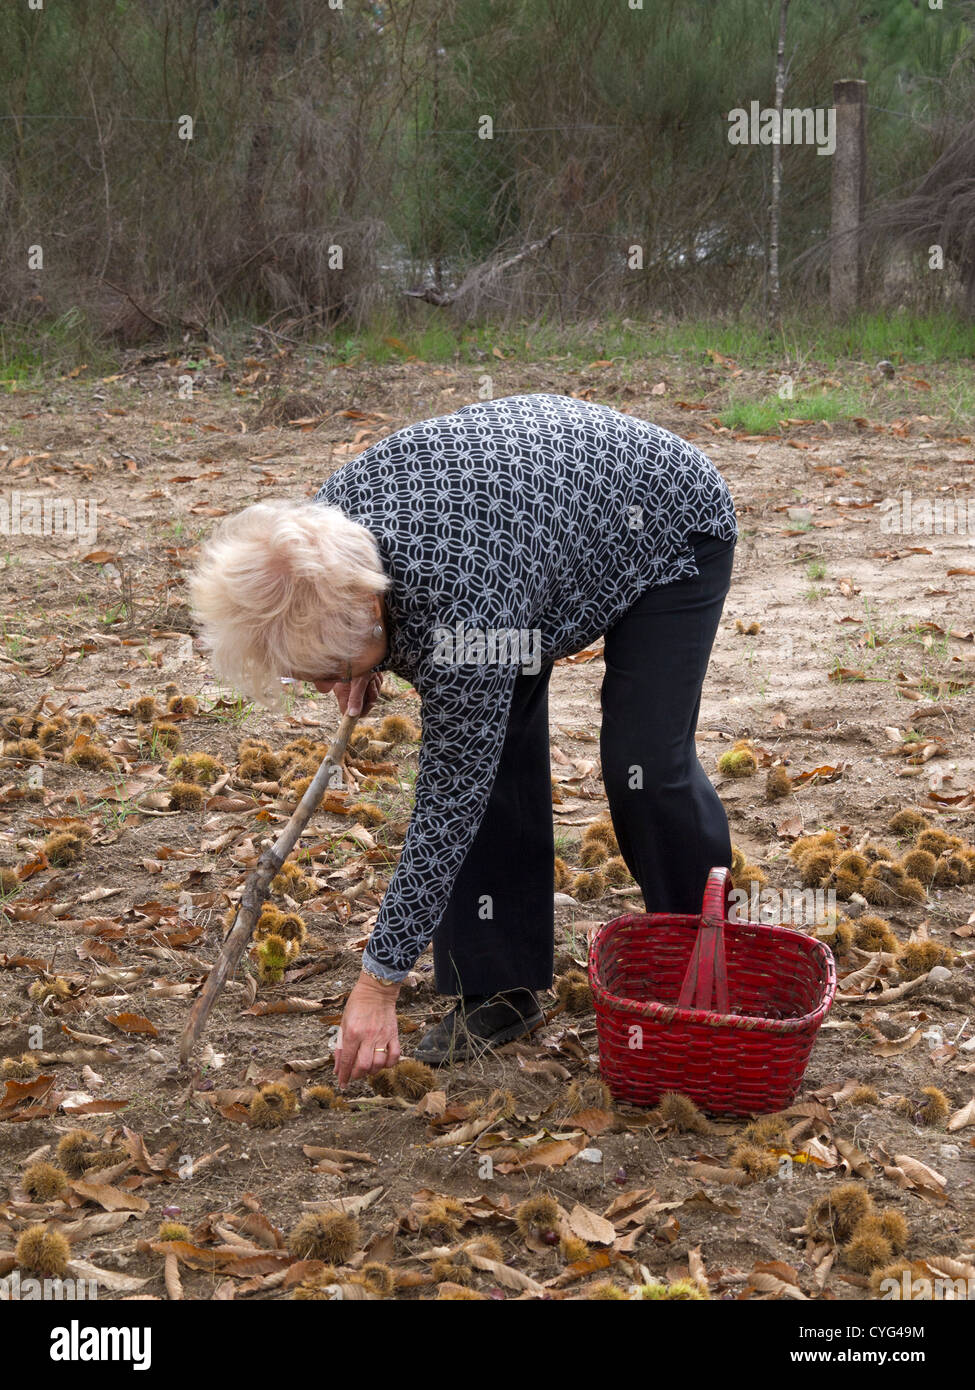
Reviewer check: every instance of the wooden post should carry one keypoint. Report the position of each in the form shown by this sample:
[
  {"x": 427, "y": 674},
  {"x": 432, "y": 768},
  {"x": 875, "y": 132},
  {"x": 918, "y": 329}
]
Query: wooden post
[{"x": 848, "y": 194}]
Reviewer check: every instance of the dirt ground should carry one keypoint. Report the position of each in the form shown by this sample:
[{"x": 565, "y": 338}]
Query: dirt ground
[{"x": 859, "y": 679}]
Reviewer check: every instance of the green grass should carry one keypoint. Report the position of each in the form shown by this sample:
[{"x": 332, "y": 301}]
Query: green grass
[
  {"x": 904, "y": 339},
  {"x": 237, "y": 714},
  {"x": 764, "y": 416},
  {"x": 901, "y": 338},
  {"x": 29, "y": 354},
  {"x": 952, "y": 395}
]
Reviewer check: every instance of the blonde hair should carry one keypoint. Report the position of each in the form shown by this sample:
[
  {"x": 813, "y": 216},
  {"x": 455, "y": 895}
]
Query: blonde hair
[{"x": 284, "y": 587}]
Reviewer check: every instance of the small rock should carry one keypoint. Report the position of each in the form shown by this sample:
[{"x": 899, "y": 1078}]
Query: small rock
[
  {"x": 155, "y": 1055},
  {"x": 799, "y": 514},
  {"x": 939, "y": 975},
  {"x": 934, "y": 1037},
  {"x": 949, "y": 1151},
  {"x": 855, "y": 905},
  {"x": 590, "y": 1155}
]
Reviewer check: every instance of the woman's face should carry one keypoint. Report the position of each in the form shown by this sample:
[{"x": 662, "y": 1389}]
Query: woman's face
[{"x": 347, "y": 671}]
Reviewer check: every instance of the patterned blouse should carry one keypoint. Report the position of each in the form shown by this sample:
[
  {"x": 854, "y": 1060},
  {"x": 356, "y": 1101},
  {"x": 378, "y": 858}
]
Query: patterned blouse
[{"x": 514, "y": 532}]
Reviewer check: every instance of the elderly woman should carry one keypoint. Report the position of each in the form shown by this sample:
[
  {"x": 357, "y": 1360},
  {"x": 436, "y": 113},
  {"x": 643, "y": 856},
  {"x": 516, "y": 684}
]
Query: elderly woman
[{"x": 467, "y": 554}]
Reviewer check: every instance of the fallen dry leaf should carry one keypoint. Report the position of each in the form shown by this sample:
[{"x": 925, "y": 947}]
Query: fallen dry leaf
[
  {"x": 593, "y": 1229},
  {"x": 174, "y": 1285},
  {"x": 543, "y": 1156},
  {"x": 133, "y": 1023},
  {"x": 963, "y": 1117},
  {"x": 109, "y": 1279},
  {"x": 109, "y": 1197}
]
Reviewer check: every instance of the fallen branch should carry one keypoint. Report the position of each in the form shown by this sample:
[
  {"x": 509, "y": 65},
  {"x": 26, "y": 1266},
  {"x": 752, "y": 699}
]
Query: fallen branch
[
  {"x": 166, "y": 327},
  {"x": 256, "y": 890},
  {"x": 431, "y": 295}
]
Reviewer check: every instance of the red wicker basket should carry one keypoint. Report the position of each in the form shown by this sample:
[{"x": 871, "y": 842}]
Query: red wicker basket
[{"x": 652, "y": 977}]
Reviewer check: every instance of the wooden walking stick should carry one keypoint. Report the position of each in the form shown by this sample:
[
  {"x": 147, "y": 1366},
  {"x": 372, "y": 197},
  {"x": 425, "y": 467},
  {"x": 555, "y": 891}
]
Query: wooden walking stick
[{"x": 256, "y": 889}]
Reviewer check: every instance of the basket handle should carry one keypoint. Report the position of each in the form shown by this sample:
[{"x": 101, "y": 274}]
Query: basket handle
[{"x": 707, "y": 966}]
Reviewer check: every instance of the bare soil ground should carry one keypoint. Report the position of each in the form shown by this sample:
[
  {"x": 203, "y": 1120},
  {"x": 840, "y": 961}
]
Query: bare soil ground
[{"x": 863, "y": 668}]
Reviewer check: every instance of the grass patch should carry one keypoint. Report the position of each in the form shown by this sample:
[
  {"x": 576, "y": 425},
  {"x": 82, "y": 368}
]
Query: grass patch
[
  {"x": 766, "y": 416},
  {"x": 29, "y": 353},
  {"x": 903, "y": 339}
]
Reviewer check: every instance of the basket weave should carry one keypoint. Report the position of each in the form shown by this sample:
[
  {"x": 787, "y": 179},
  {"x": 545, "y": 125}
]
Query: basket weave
[{"x": 726, "y": 1013}]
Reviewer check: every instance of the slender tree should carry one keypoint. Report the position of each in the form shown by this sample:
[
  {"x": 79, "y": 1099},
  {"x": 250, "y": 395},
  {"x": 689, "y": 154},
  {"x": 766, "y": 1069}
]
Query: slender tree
[{"x": 774, "y": 298}]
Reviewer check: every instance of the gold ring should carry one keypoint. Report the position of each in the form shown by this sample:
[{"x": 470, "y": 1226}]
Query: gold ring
[{"x": 380, "y": 1049}]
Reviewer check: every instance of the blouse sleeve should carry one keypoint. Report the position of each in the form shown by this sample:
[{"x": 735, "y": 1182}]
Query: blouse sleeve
[{"x": 465, "y": 716}]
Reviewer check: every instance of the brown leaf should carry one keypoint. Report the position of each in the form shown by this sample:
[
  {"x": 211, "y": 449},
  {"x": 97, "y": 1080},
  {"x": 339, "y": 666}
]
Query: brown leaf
[
  {"x": 889, "y": 1048},
  {"x": 911, "y": 1173},
  {"x": 623, "y": 1210},
  {"x": 352, "y": 1206},
  {"x": 465, "y": 1133},
  {"x": 259, "y": 1229},
  {"x": 283, "y": 1006},
  {"x": 93, "y": 1107},
  {"x": 837, "y": 1093},
  {"x": 853, "y": 1158},
  {"x": 17, "y": 1091},
  {"x": 111, "y": 1198},
  {"x": 702, "y": 1199},
  {"x": 174, "y": 1285},
  {"x": 594, "y": 1122},
  {"x": 133, "y": 1023},
  {"x": 963, "y": 1117},
  {"x": 775, "y": 1277},
  {"x": 589, "y": 1264},
  {"x": 543, "y": 1156},
  {"x": 98, "y": 1224},
  {"x": 432, "y": 1105},
  {"x": 109, "y": 1279},
  {"x": 593, "y": 1229},
  {"x": 696, "y": 1266},
  {"x": 316, "y": 1151},
  {"x": 668, "y": 1232},
  {"x": 711, "y": 1172},
  {"x": 506, "y": 1275},
  {"x": 226, "y": 1259}
]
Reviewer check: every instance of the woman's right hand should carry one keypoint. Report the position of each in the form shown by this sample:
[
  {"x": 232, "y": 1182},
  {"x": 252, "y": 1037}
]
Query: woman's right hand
[
  {"x": 368, "y": 1033},
  {"x": 356, "y": 696}
]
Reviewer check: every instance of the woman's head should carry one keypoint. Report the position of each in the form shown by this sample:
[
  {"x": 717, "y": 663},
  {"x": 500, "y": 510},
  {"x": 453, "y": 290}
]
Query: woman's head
[{"x": 286, "y": 588}]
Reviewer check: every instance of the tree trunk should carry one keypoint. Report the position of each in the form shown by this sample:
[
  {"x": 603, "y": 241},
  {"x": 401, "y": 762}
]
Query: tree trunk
[{"x": 776, "y": 204}]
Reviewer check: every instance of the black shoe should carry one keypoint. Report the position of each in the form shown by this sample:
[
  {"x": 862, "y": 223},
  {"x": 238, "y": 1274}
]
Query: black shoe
[{"x": 478, "y": 1022}]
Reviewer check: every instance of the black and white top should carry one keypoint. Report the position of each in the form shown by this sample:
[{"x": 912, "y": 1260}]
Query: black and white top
[{"x": 514, "y": 531}]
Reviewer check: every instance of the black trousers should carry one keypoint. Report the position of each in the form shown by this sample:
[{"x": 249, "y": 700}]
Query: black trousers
[{"x": 498, "y": 930}]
